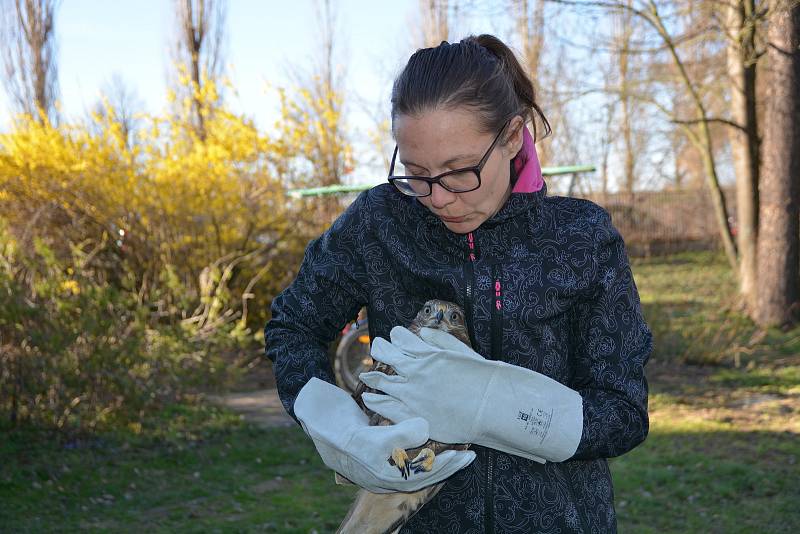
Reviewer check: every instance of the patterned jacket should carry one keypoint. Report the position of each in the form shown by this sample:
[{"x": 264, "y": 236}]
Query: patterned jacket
[{"x": 545, "y": 284}]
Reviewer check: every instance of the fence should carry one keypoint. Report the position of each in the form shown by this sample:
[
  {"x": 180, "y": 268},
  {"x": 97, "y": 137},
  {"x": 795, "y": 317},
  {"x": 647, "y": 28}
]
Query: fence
[{"x": 664, "y": 222}]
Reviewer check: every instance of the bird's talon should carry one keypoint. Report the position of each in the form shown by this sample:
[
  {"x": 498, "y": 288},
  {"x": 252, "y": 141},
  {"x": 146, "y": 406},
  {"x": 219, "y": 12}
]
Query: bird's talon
[
  {"x": 423, "y": 461},
  {"x": 400, "y": 459}
]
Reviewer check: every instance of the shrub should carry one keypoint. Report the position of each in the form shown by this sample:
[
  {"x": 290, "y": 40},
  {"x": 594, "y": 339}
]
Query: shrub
[{"x": 80, "y": 353}]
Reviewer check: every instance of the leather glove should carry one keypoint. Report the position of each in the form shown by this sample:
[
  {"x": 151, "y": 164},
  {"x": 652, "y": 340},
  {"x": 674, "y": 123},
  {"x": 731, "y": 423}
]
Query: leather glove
[
  {"x": 469, "y": 399},
  {"x": 359, "y": 452}
]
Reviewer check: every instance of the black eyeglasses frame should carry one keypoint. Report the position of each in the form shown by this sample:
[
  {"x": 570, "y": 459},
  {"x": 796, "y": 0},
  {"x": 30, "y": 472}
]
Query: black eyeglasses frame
[{"x": 430, "y": 180}]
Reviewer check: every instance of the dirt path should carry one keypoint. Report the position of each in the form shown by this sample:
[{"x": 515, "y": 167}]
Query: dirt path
[
  {"x": 257, "y": 400},
  {"x": 261, "y": 407}
]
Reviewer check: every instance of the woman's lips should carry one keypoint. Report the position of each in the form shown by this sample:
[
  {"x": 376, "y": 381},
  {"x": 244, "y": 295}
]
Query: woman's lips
[{"x": 452, "y": 219}]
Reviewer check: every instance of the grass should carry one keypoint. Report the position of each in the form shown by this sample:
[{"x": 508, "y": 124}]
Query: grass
[
  {"x": 691, "y": 303},
  {"x": 700, "y": 476},
  {"x": 723, "y": 454},
  {"x": 209, "y": 473},
  {"x": 693, "y": 474}
]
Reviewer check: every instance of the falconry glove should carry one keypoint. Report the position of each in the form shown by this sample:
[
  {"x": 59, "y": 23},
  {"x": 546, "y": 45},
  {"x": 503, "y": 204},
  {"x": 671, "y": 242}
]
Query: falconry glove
[
  {"x": 469, "y": 399},
  {"x": 348, "y": 445}
]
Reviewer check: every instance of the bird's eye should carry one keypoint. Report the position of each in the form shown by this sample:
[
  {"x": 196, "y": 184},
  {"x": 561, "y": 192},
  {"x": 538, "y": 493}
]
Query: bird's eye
[
  {"x": 455, "y": 316},
  {"x": 427, "y": 310}
]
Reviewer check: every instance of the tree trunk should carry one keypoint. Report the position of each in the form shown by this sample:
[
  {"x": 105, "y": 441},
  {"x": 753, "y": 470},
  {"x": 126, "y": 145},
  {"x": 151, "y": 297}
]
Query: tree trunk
[
  {"x": 435, "y": 23},
  {"x": 624, "y": 40},
  {"x": 744, "y": 142},
  {"x": 28, "y": 50},
  {"x": 530, "y": 30},
  {"x": 717, "y": 198},
  {"x": 778, "y": 270}
]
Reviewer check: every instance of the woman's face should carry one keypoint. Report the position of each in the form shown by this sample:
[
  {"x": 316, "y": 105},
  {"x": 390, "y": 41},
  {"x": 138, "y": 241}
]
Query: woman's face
[{"x": 441, "y": 140}]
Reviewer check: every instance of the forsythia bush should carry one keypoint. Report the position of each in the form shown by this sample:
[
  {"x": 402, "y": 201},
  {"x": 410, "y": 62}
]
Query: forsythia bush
[
  {"x": 137, "y": 265},
  {"x": 78, "y": 352}
]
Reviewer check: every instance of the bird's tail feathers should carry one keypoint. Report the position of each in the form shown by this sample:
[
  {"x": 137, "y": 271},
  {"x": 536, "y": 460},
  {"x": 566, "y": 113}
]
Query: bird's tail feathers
[{"x": 384, "y": 513}]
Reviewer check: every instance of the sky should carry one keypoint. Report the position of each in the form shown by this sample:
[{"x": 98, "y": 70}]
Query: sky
[{"x": 266, "y": 40}]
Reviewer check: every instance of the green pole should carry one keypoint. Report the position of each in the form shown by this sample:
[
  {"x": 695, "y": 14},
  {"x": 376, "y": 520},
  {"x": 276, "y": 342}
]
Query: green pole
[{"x": 355, "y": 188}]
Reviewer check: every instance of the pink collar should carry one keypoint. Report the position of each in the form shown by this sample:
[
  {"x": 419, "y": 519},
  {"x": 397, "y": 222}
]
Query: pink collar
[{"x": 526, "y": 163}]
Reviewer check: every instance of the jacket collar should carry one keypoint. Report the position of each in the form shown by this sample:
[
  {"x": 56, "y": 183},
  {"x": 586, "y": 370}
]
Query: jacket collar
[
  {"x": 527, "y": 182},
  {"x": 526, "y": 164}
]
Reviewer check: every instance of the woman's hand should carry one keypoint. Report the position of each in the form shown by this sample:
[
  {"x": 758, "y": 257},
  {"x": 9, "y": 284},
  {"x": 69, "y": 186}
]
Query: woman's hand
[
  {"x": 348, "y": 445},
  {"x": 468, "y": 399},
  {"x": 438, "y": 378}
]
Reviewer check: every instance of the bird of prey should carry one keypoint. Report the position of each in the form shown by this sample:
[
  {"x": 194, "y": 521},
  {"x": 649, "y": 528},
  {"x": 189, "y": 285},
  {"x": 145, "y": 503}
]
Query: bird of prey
[{"x": 385, "y": 513}]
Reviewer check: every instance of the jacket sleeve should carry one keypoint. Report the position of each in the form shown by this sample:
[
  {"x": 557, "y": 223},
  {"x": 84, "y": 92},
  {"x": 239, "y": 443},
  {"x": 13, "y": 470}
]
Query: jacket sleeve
[
  {"x": 612, "y": 346},
  {"x": 306, "y": 316}
]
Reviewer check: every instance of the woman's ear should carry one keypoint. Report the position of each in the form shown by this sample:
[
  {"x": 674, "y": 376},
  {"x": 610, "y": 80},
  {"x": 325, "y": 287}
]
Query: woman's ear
[{"x": 513, "y": 137}]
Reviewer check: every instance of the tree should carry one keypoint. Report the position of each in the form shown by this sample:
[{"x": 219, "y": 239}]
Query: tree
[
  {"x": 314, "y": 129},
  {"x": 530, "y": 28},
  {"x": 29, "y": 54},
  {"x": 327, "y": 88},
  {"x": 674, "y": 25},
  {"x": 121, "y": 104},
  {"x": 436, "y": 21},
  {"x": 741, "y": 20},
  {"x": 199, "y": 56},
  {"x": 624, "y": 40},
  {"x": 778, "y": 294}
]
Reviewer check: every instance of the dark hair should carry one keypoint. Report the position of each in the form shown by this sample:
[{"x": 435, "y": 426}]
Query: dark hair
[{"x": 480, "y": 73}]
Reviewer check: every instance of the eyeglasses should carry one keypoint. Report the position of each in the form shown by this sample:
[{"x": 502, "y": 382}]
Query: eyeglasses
[{"x": 455, "y": 181}]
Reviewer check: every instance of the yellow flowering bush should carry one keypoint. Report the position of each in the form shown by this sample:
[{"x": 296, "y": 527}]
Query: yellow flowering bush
[{"x": 139, "y": 265}]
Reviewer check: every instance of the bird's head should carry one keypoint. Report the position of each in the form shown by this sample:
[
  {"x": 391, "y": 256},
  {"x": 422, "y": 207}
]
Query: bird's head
[{"x": 442, "y": 315}]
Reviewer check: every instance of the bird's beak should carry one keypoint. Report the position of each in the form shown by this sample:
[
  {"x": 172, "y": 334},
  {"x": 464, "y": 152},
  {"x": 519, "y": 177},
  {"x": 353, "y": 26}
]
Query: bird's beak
[{"x": 439, "y": 316}]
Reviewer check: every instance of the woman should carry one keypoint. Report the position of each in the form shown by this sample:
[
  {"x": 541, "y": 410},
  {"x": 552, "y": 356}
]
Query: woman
[{"x": 556, "y": 383}]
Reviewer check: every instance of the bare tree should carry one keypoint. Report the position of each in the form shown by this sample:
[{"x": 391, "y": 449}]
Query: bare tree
[
  {"x": 608, "y": 136},
  {"x": 317, "y": 114},
  {"x": 637, "y": 69},
  {"x": 436, "y": 22},
  {"x": 530, "y": 28},
  {"x": 322, "y": 101},
  {"x": 695, "y": 76},
  {"x": 29, "y": 54},
  {"x": 740, "y": 23},
  {"x": 328, "y": 86},
  {"x": 199, "y": 53},
  {"x": 623, "y": 39},
  {"x": 121, "y": 102},
  {"x": 558, "y": 84},
  {"x": 778, "y": 294},
  {"x": 696, "y": 79}
]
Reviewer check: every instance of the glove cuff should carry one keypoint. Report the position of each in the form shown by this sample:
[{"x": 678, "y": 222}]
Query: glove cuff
[{"x": 530, "y": 415}]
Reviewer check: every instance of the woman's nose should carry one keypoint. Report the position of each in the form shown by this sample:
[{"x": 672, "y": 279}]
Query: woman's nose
[{"x": 441, "y": 197}]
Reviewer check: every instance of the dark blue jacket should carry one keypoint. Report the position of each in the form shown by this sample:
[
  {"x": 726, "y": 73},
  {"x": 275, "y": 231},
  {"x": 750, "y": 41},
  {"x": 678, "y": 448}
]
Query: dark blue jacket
[{"x": 568, "y": 308}]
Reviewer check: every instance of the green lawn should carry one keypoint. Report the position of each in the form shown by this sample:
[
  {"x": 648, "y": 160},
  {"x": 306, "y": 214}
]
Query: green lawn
[
  {"x": 722, "y": 455},
  {"x": 209, "y": 473},
  {"x": 691, "y": 304}
]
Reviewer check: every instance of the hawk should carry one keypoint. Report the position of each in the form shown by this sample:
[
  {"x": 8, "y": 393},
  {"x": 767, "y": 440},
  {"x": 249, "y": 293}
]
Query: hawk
[{"x": 385, "y": 513}]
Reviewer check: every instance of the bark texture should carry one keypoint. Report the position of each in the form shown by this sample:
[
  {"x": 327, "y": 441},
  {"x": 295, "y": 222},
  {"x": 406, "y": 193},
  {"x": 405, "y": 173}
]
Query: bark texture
[
  {"x": 744, "y": 141},
  {"x": 777, "y": 297}
]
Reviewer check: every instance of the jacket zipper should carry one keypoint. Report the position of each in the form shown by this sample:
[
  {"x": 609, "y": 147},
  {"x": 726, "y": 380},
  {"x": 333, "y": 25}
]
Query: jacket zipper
[
  {"x": 468, "y": 289},
  {"x": 469, "y": 277},
  {"x": 497, "y": 315},
  {"x": 497, "y": 348}
]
